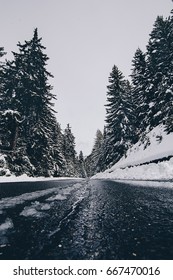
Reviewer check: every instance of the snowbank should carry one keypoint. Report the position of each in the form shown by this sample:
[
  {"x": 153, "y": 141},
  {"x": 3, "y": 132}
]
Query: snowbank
[
  {"x": 25, "y": 178},
  {"x": 157, "y": 145},
  {"x": 152, "y": 171}
]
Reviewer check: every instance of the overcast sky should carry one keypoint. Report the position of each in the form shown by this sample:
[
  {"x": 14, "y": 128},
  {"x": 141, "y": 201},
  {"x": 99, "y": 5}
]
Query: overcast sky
[{"x": 83, "y": 39}]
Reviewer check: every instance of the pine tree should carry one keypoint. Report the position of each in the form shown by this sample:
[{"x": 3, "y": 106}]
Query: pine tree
[
  {"x": 131, "y": 135},
  {"x": 69, "y": 144},
  {"x": 28, "y": 91},
  {"x": 118, "y": 125},
  {"x": 2, "y": 66},
  {"x": 139, "y": 98},
  {"x": 167, "y": 81},
  {"x": 102, "y": 163},
  {"x": 93, "y": 158},
  {"x": 2, "y": 53},
  {"x": 96, "y": 150},
  {"x": 81, "y": 165},
  {"x": 159, "y": 70},
  {"x": 58, "y": 157},
  {"x": 8, "y": 118},
  {"x": 69, "y": 152}
]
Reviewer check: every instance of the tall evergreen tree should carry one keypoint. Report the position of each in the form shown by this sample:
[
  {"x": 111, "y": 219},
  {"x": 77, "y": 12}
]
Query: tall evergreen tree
[
  {"x": 93, "y": 158},
  {"x": 159, "y": 70},
  {"x": 69, "y": 152},
  {"x": 139, "y": 98},
  {"x": 2, "y": 66},
  {"x": 69, "y": 144},
  {"x": 58, "y": 156},
  {"x": 29, "y": 92},
  {"x": 131, "y": 135},
  {"x": 102, "y": 163},
  {"x": 118, "y": 124},
  {"x": 167, "y": 81},
  {"x": 7, "y": 117},
  {"x": 81, "y": 165}
]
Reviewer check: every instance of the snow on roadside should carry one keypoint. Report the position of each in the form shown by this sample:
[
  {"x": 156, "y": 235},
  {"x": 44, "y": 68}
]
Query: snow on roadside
[
  {"x": 160, "y": 171},
  {"x": 25, "y": 178},
  {"x": 160, "y": 146},
  {"x": 153, "y": 184}
]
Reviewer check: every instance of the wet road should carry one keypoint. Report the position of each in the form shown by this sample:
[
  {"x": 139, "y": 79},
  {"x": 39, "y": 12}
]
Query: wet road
[{"x": 80, "y": 219}]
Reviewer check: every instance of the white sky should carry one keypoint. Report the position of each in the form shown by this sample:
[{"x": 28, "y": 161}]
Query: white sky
[{"x": 83, "y": 39}]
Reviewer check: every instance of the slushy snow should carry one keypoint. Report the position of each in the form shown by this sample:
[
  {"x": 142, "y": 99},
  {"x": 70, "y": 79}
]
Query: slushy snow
[{"x": 8, "y": 224}]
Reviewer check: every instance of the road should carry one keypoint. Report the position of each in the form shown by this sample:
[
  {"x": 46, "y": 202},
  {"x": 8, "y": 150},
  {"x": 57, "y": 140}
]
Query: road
[{"x": 86, "y": 220}]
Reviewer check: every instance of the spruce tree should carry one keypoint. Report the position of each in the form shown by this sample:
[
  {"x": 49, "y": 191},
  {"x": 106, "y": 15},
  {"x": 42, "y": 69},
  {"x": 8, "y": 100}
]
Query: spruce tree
[
  {"x": 2, "y": 80},
  {"x": 92, "y": 160},
  {"x": 139, "y": 98},
  {"x": 69, "y": 144},
  {"x": 2, "y": 100},
  {"x": 159, "y": 70},
  {"x": 81, "y": 165},
  {"x": 131, "y": 135},
  {"x": 118, "y": 124},
  {"x": 28, "y": 91},
  {"x": 58, "y": 156},
  {"x": 69, "y": 152},
  {"x": 168, "y": 81},
  {"x": 102, "y": 163}
]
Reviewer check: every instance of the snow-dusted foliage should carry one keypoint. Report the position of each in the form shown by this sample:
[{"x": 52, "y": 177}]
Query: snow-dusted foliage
[
  {"x": 30, "y": 135},
  {"x": 148, "y": 160},
  {"x": 159, "y": 72},
  {"x": 73, "y": 165},
  {"x": 82, "y": 166},
  {"x": 143, "y": 112},
  {"x": 31, "y": 139},
  {"x": 139, "y": 97},
  {"x": 119, "y": 129},
  {"x": 4, "y": 171},
  {"x": 91, "y": 162}
]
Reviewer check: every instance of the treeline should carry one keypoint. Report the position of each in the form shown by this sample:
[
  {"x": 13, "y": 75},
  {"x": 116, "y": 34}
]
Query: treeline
[
  {"x": 31, "y": 139},
  {"x": 135, "y": 107}
]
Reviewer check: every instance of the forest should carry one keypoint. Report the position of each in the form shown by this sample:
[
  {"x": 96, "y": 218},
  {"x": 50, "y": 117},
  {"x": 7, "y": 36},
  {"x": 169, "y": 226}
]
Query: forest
[{"x": 31, "y": 139}]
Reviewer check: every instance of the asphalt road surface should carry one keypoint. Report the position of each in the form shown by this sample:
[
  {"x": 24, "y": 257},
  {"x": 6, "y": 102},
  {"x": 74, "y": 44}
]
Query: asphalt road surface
[{"x": 86, "y": 220}]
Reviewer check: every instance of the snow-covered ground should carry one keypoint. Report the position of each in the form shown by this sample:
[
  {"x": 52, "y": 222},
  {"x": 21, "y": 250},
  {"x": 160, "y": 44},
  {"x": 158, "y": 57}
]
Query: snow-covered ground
[
  {"x": 136, "y": 165},
  {"x": 9, "y": 177},
  {"x": 25, "y": 178},
  {"x": 158, "y": 145}
]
